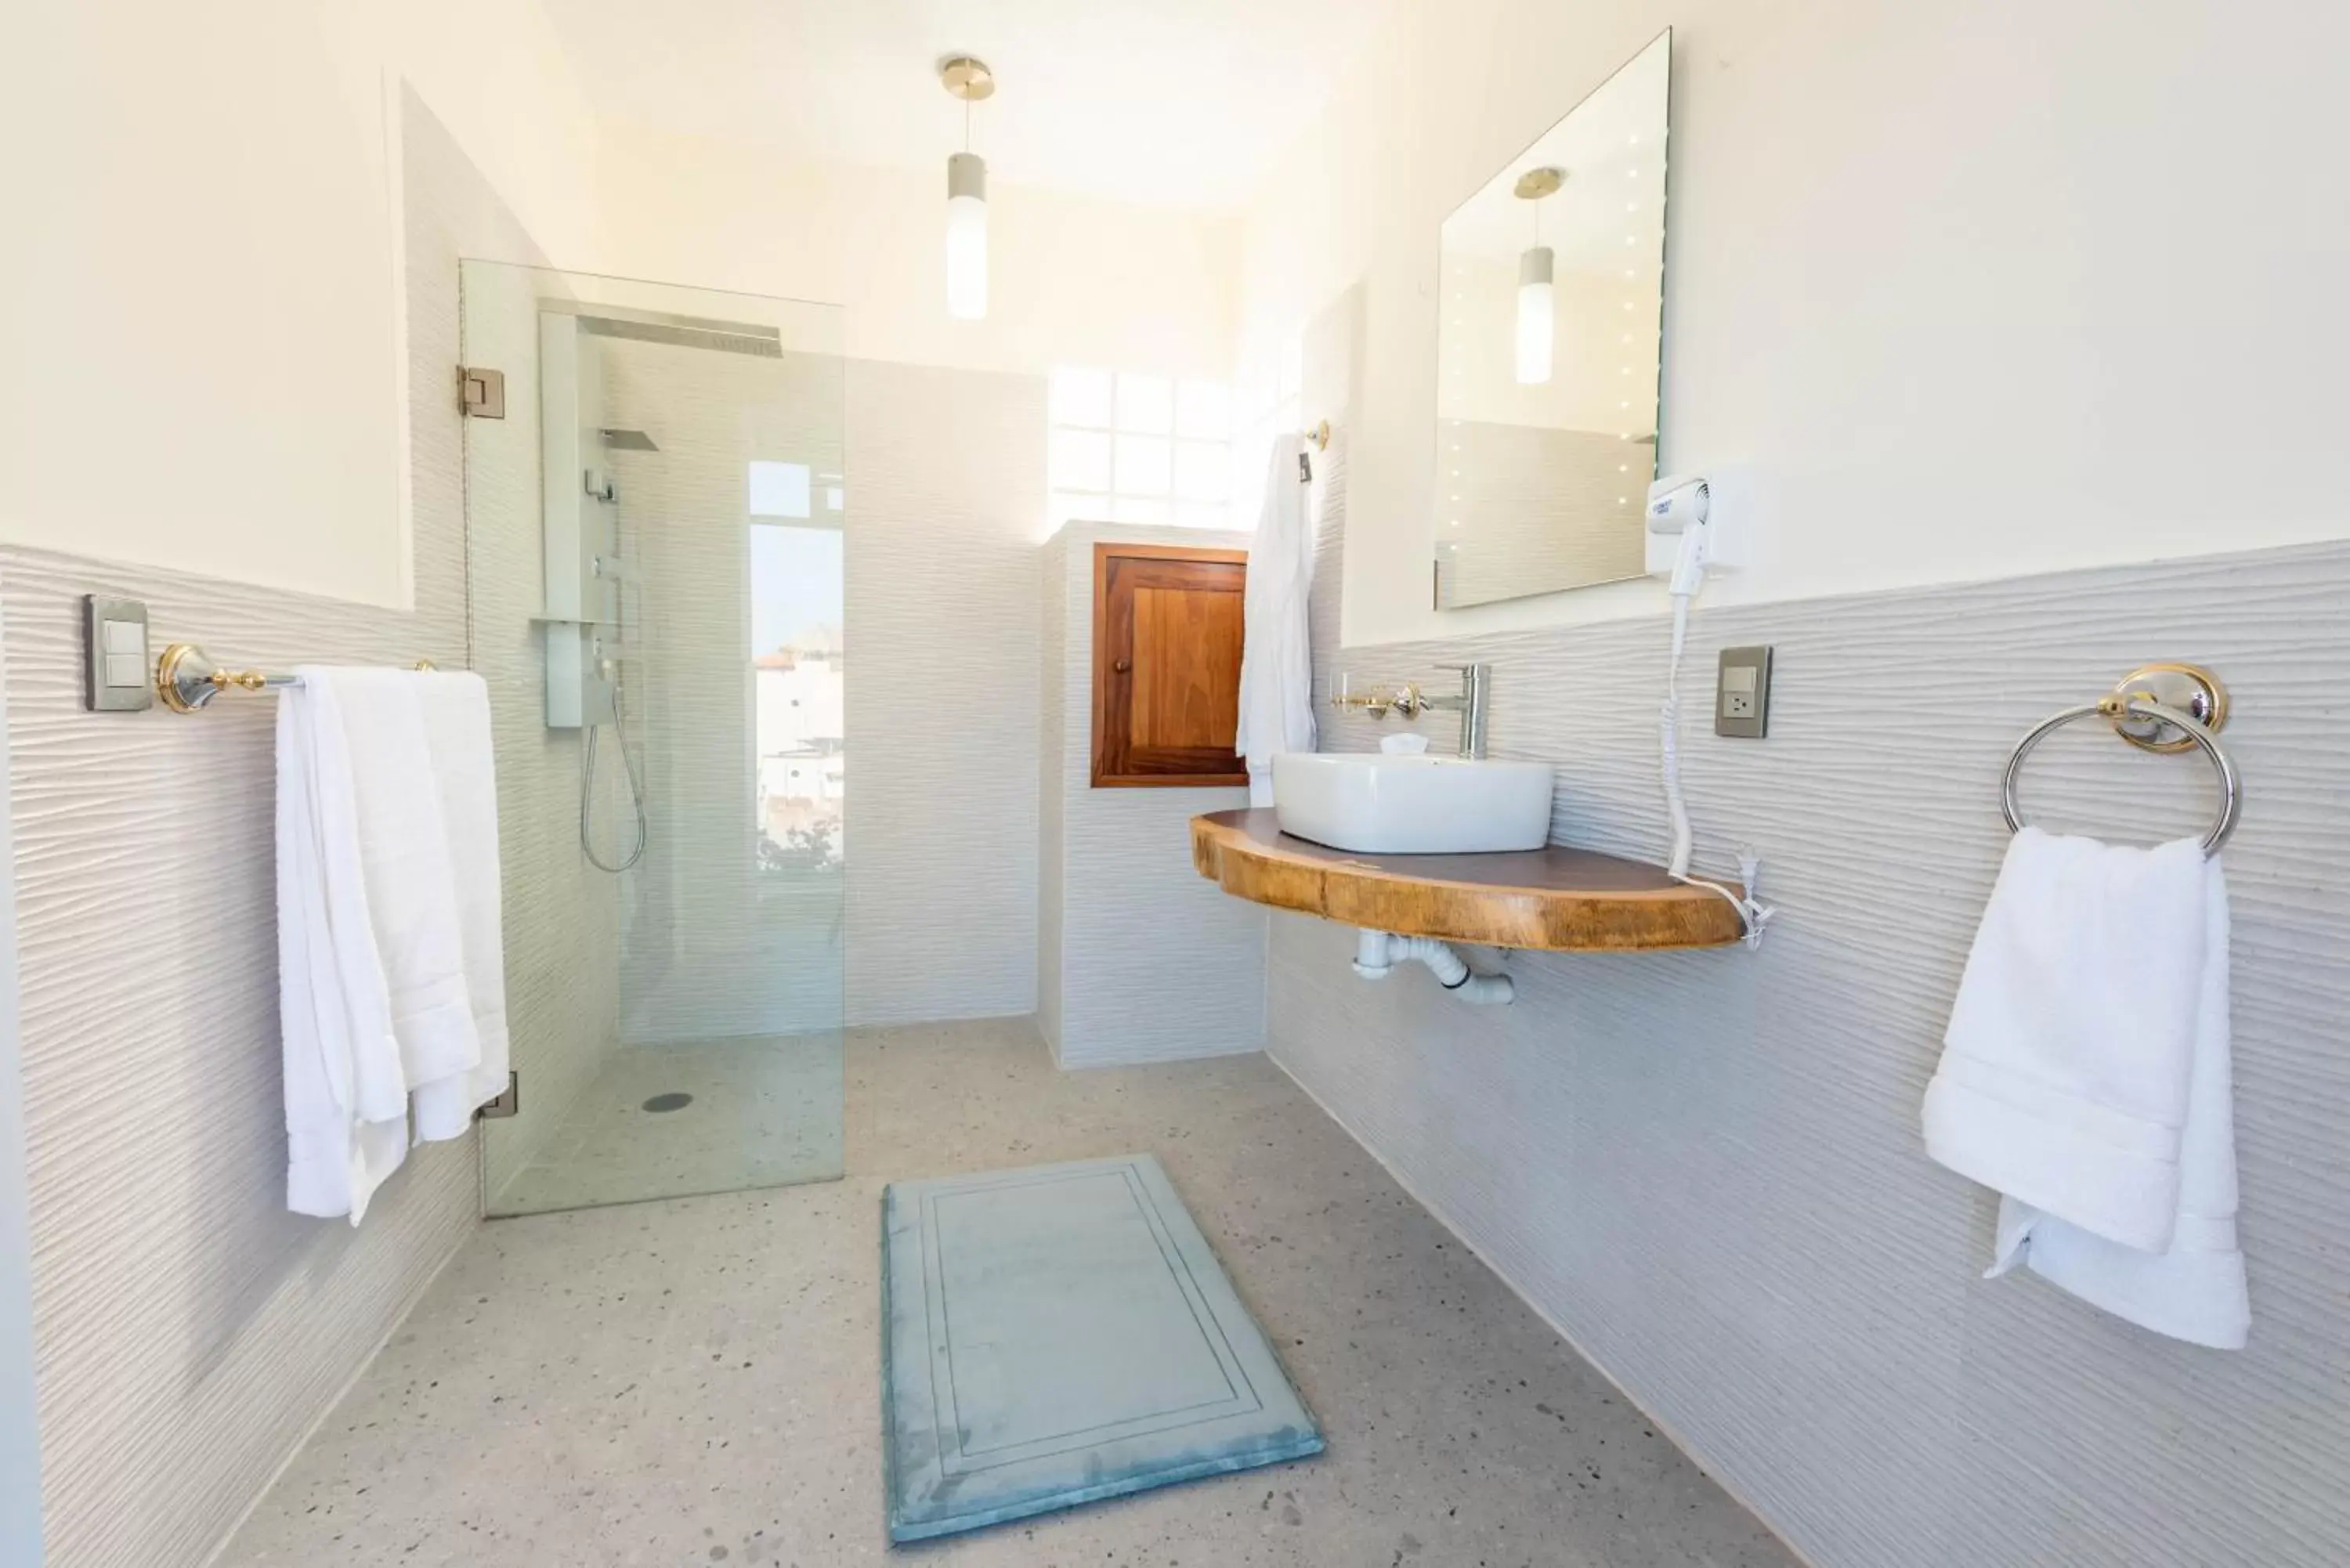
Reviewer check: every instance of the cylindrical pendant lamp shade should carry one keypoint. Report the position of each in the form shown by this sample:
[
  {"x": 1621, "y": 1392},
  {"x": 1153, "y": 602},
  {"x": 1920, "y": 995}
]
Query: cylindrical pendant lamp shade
[{"x": 966, "y": 236}]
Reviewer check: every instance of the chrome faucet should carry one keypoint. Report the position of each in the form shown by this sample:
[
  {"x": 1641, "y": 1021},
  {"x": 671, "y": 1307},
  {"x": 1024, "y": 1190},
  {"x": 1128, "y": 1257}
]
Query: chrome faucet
[
  {"x": 1411, "y": 702},
  {"x": 1476, "y": 680}
]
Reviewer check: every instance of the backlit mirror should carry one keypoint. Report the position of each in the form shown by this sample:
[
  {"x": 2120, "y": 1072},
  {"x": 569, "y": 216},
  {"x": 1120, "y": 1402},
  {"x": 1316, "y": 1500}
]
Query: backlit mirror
[{"x": 1549, "y": 341}]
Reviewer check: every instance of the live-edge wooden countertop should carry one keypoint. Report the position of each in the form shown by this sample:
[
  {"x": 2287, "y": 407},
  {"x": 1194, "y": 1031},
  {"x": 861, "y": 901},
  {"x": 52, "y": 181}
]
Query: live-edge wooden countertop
[{"x": 1554, "y": 899}]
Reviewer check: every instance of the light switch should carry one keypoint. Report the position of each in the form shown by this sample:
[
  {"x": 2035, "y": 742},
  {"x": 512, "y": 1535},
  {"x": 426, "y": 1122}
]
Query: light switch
[{"x": 115, "y": 677}]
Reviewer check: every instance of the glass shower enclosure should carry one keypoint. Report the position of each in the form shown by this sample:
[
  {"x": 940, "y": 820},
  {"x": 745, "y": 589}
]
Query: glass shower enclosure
[{"x": 654, "y": 502}]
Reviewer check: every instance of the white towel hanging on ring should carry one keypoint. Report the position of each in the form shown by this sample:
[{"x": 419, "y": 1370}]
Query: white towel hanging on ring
[{"x": 2085, "y": 1078}]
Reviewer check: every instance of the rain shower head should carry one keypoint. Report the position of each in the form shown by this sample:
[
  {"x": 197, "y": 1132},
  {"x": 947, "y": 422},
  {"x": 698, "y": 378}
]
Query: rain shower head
[{"x": 627, "y": 441}]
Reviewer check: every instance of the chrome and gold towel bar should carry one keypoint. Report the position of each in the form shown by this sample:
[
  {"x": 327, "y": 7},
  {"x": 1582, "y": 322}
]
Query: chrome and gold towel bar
[
  {"x": 186, "y": 677},
  {"x": 2158, "y": 708}
]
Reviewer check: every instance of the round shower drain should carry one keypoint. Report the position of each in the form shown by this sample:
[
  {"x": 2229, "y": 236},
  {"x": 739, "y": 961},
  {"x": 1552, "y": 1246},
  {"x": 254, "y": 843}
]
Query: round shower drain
[{"x": 671, "y": 1102}]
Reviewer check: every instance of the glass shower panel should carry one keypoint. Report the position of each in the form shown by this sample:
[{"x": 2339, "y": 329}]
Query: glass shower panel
[{"x": 653, "y": 551}]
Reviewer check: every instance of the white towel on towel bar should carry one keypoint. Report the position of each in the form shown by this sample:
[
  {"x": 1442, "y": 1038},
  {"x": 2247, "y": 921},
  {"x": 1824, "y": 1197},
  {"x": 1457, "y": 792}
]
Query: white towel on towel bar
[
  {"x": 404, "y": 850},
  {"x": 391, "y": 982},
  {"x": 2086, "y": 1078},
  {"x": 456, "y": 706},
  {"x": 346, "y": 1098}
]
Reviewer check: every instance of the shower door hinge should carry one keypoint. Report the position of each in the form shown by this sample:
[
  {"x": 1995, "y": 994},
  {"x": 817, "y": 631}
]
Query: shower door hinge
[
  {"x": 482, "y": 393},
  {"x": 506, "y": 1104}
]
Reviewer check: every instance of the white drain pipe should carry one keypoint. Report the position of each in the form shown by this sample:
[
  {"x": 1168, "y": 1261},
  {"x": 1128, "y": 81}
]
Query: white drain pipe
[{"x": 1375, "y": 952}]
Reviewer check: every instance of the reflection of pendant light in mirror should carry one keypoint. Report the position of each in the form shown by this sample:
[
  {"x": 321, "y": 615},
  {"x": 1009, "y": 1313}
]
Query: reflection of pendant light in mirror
[
  {"x": 1537, "y": 309},
  {"x": 970, "y": 82},
  {"x": 1537, "y": 317}
]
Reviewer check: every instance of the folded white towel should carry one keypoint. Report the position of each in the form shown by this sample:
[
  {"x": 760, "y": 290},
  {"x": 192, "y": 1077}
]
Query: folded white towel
[
  {"x": 456, "y": 709},
  {"x": 391, "y": 968},
  {"x": 404, "y": 853},
  {"x": 2085, "y": 1077},
  {"x": 346, "y": 1100}
]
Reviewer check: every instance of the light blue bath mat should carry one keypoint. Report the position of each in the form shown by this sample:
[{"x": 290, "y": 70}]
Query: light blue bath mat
[{"x": 1058, "y": 1334}]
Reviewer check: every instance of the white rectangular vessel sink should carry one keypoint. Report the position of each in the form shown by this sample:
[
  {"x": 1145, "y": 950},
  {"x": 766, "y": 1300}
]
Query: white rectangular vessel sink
[{"x": 1383, "y": 804}]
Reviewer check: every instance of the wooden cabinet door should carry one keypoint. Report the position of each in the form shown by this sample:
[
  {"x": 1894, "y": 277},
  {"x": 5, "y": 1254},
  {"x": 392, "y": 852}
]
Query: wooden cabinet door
[{"x": 1167, "y": 665}]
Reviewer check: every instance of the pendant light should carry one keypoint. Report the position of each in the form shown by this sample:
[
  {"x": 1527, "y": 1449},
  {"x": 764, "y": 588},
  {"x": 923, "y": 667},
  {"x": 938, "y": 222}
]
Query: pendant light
[
  {"x": 970, "y": 80},
  {"x": 1537, "y": 323}
]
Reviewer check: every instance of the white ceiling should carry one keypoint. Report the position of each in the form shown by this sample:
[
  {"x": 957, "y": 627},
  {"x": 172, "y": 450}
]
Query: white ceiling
[{"x": 1168, "y": 102}]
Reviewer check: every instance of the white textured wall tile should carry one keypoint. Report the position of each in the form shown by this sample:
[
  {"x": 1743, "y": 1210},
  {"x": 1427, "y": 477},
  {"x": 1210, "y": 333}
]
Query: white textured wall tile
[
  {"x": 1705, "y": 1167},
  {"x": 1149, "y": 962},
  {"x": 188, "y": 1328},
  {"x": 1052, "y": 786},
  {"x": 946, "y": 491}
]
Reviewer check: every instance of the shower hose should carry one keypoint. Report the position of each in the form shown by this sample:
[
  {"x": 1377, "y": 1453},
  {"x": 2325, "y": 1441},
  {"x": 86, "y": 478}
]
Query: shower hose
[{"x": 630, "y": 768}]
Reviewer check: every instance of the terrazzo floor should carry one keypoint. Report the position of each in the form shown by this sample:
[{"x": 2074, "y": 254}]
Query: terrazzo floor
[
  {"x": 695, "y": 1381},
  {"x": 761, "y": 1111}
]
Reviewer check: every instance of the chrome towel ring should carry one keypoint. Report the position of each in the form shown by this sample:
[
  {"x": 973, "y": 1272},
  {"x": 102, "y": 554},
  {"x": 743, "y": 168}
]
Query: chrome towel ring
[{"x": 2161, "y": 708}]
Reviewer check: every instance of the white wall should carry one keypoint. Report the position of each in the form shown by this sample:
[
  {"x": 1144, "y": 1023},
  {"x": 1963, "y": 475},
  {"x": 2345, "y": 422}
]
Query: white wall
[
  {"x": 203, "y": 319},
  {"x": 946, "y": 483},
  {"x": 1977, "y": 290},
  {"x": 1070, "y": 280}
]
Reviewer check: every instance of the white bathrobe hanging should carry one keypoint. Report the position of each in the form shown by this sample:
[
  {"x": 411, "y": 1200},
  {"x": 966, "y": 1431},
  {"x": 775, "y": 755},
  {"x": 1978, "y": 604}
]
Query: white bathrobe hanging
[{"x": 1276, "y": 659}]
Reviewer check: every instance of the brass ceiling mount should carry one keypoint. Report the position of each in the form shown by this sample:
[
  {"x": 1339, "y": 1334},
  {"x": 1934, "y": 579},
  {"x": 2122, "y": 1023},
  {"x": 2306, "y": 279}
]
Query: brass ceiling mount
[
  {"x": 967, "y": 78},
  {"x": 1536, "y": 183}
]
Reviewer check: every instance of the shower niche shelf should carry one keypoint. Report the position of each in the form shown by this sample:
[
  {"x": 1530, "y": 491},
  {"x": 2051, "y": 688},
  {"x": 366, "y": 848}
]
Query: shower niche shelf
[{"x": 1552, "y": 900}]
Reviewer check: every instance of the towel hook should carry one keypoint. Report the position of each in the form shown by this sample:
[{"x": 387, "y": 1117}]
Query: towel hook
[{"x": 2158, "y": 708}]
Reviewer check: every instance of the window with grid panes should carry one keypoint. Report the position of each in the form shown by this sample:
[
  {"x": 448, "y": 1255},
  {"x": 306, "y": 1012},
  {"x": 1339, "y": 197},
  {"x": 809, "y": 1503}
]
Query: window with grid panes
[{"x": 1131, "y": 448}]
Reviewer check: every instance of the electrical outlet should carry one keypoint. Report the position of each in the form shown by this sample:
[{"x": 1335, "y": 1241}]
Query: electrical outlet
[{"x": 1741, "y": 701}]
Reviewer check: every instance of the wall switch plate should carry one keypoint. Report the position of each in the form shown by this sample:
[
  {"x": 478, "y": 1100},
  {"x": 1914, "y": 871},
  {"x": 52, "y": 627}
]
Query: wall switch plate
[
  {"x": 1742, "y": 693},
  {"x": 117, "y": 675}
]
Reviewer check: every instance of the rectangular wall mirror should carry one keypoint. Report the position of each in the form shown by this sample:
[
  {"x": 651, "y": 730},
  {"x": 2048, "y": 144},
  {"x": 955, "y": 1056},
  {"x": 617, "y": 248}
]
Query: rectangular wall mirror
[{"x": 1549, "y": 343}]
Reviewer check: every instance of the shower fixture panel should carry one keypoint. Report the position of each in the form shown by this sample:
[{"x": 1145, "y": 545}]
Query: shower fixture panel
[
  {"x": 586, "y": 622},
  {"x": 581, "y": 524}
]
